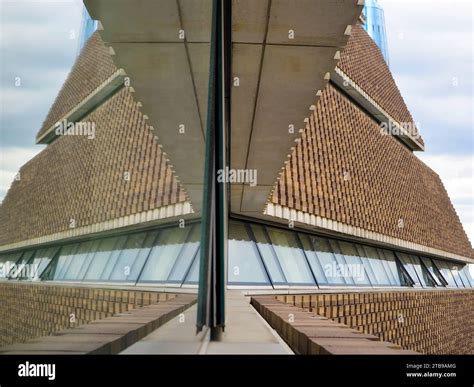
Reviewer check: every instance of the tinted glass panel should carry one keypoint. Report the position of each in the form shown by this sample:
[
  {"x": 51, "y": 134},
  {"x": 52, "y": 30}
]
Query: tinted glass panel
[
  {"x": 455, "y": 267},
  {"x": 76, "y": 262},
  {"x": 464, "y": 274},
  {"x": 42, "y": 258},
  {"x": 138, "y": 246},
  {"x": 193, "y": 274},
  {"x": 382, "y": 278},
  {"x": 291, "y": 257},
  {"x": 367, "y": 267},
  {"x": 390, "y": 265},
  {"x": 328, "y": 261},
  {"x": 422, "y": 273},
  {"x": 164, "y": 254},
  {"x": 409, "y": 267},
  {"x": 268, "y": 256},
  {"x": 137, "y": 267},
  {"x": 88, "y": 259},
  {"x": 354, "y": 263},
  {"x": 7, "y": 263},
  {"x": 433, "y": 271},
  {"x": 340, "y": 269},
  {"x": 313, "y": 253},
  {"x": 446, "y": 272},
  {"x": 245, "y": 265},
  {"x": 186, "y": 256},
  {"x": 22, "y": 269},
  {"x": 65, "y": 256},
  {"x": 104, "y": 251}
]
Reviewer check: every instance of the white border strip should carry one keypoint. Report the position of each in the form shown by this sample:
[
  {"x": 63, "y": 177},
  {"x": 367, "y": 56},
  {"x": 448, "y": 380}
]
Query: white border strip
[
  {"x": 313, "y": 220},
  {"x": 85, "y": 102},
  {"x": 141, "y": 217},
  {"x": 364, "y": 95}
]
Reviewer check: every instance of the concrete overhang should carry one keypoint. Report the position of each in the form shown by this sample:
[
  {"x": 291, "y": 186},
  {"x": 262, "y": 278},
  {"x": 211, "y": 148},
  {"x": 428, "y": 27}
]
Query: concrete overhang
[
  {"x": 111, "y": 85},
  {"x": 393, "y": 127},
  {"x": 164, "y": 48},
  {"x": 283, "y": 54}
]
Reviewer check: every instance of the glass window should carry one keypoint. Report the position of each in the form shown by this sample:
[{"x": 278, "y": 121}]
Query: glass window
[
  {"x": 455, "y": 267},
  {"x": 8, "y": 262},
  {"x": 391, "y": 268},
  {"x": 312, "y": 253},
  {"x": 112, "y": 261},
  {"x": 193, "y": 275},
  {"x": 340, "y": 268},
  {"x": 245, "y": 266},
  {"x": 137, "y": 267},
  {"x": 409, "y": 267},
  {"x": 21, "y": 269},
  {"x": 433, "y": 271},
  {"x": 465, "y": 279},
  {"x": 355, "y": 266},
  {"x": 105, "y": 250},
  {"x": 164, "y": 254},
  {"x": 268, "y": 256},
  {"x": 188, "y": 253},
  {"x": 382, "y": 278},
  {"x": 137, "y": 247},
  {"x": 446, "y": 272},
  {"x": 369, "y": 271},
  {"x": 423, "y": 274},
  {"x": 76, "y": 262},
  {"x": 88, "y": 259},
  {"x": 42, "y": 259},
  {"x": 466, "y": 275},
  {"x": 62, "y": 263},
  {"x": 328, "y": 261},
  {"x": 291, "y": 257}
]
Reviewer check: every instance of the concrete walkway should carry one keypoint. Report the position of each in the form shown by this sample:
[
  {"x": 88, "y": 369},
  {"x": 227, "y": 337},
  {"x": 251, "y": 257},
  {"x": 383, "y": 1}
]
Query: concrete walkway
[{"x": 246, "y": 333}]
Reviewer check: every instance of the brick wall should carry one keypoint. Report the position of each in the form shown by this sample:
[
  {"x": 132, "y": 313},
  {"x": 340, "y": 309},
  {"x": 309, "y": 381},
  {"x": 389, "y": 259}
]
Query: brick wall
[
  {"x": 33, "y": 310},
  {"x": 344, "y": 169},
  {"x": 430, "y": 322}
]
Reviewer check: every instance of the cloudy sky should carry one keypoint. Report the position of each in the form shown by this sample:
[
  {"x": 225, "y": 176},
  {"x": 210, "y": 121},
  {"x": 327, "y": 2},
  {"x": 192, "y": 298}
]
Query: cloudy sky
[
  {"x": 38, "y": 45},
  {"x": 431, "y": 57}
]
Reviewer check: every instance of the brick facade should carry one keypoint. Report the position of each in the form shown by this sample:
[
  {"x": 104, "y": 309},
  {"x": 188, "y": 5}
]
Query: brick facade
[
  {"x": 92, "y": 67},
  {"x": 363, "y": 62},
  {"x": 430, "y": 322},
  {"x": 33, "y": 310},
  {"x": 85, "y": 179},
  {"x": 345, "y": 170}
]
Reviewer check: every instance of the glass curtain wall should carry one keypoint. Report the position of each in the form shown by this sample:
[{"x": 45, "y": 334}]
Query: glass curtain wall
[{"x": 259, "y": 256}]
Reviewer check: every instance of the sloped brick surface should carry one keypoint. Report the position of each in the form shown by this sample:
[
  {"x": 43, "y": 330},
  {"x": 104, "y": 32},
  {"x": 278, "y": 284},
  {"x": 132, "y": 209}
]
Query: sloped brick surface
[
  {"x": 363, "y": 62},
  {"x": 345, "y": 170}
]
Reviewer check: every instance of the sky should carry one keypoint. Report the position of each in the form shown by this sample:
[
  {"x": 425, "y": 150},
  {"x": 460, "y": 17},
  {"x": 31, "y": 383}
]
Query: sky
[
  {"x": 431, "y": 58},
  {"x": 430, "y": 45}
]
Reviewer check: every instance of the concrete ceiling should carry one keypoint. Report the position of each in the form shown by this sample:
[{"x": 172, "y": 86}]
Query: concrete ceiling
[
  {"x": 279, "y": 76},
  {"x": 169, "y": 75}
]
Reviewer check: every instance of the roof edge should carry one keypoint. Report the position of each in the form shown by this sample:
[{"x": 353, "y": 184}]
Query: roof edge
[{"x": 393, "y": 127}]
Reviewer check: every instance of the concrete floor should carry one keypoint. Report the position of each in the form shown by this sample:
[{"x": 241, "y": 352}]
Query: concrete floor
[{"x": 246, "y": 333}]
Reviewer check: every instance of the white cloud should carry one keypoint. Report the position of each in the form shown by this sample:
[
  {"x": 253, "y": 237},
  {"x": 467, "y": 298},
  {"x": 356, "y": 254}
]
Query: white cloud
[
  {"x": 457, "y": 174},
  {"x": 11, "y": 159}
]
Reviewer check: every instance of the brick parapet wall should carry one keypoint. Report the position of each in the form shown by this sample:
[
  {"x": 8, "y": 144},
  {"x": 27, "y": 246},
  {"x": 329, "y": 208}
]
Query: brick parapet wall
[
  {"x": 33, "y": 310},
  {"x": 430, "y": 322}
]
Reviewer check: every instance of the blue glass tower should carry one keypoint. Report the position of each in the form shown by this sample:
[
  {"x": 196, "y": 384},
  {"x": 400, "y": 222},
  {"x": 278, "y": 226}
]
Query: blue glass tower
[
  {"x": 375, "y": 25},
  {"x": 88, "y": 26}
]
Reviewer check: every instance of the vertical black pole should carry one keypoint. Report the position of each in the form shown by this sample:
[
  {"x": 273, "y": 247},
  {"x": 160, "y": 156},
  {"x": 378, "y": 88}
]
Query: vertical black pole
[{"x": 212, "y": 274}]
